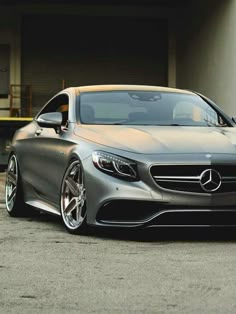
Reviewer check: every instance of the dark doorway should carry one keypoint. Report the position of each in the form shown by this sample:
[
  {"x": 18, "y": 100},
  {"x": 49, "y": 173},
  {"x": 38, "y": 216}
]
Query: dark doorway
[{"x": 91, "y": 50}]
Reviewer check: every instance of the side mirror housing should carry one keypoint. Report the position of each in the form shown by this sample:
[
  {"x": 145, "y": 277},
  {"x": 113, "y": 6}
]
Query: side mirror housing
[{"x": 50, "y": 120}]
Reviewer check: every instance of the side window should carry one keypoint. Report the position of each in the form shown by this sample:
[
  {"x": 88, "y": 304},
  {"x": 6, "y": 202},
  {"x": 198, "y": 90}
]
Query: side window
[
  {"x": 199, "y": 113},
  {"x": 59, "y": 103}
]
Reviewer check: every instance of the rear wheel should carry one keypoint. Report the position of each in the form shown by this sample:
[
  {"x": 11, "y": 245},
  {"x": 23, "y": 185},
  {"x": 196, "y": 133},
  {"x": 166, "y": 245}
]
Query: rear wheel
[
  {"x": 13, "y": 190},
  {"x": 73, "y": 199}
]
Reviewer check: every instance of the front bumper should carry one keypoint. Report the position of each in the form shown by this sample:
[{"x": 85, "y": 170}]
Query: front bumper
[{"x": 118, "y": 203}]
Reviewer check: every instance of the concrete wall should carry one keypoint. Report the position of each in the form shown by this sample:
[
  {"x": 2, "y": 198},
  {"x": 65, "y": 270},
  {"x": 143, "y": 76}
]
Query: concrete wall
[
  {"x": 11, "y": 18},
  {"x": 10, "y": 34},
  {"x": 202, "y": 44},
  {"x": 206, "y": 51}
]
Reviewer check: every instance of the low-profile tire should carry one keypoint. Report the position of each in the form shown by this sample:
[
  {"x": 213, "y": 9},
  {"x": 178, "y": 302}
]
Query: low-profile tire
[
  {"x": 14, "y": 196},
  {"x": 73, "y": 199}
]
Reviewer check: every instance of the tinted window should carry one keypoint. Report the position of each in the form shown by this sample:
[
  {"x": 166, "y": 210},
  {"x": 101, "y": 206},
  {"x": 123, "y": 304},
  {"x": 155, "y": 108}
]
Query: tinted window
[{"x": 146, "y": 108}]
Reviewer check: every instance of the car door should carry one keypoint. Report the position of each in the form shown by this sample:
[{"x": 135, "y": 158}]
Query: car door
[{"x": 47, "y": 153}]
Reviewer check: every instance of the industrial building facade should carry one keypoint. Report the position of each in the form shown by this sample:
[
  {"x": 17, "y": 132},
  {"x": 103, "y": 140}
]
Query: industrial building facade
[{"x": 54, "y": 44}]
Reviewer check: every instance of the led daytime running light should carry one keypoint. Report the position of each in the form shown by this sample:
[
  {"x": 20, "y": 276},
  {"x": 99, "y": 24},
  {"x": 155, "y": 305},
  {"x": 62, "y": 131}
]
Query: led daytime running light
[{"x": 113, "y": 164}]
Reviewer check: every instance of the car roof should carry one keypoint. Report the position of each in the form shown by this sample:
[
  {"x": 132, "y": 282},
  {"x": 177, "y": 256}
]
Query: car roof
[{"x": 104, "y": 88}]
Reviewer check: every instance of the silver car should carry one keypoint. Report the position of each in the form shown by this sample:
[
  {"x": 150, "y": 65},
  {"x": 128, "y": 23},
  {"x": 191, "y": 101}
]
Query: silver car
[{"x": 126, "y": 156}]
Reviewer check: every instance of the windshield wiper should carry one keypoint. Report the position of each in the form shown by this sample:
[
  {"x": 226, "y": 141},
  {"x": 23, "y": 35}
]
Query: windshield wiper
[
  {"x": 121, "y": 122},
  {"x": 209, "y": 123}
]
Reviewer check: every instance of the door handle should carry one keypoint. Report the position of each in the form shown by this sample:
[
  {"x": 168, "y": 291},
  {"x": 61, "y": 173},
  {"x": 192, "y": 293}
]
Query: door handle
[{"x": 38, "y": 132}]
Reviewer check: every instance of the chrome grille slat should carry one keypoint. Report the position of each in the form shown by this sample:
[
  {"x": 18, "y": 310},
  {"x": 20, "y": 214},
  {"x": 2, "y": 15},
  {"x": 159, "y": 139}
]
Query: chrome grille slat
[
  {"x": 230, "y": 179},
  {"x": 170, "y": 177},
  {"x": 176, "y": 178},
  {"x": 184, "y": 181}
]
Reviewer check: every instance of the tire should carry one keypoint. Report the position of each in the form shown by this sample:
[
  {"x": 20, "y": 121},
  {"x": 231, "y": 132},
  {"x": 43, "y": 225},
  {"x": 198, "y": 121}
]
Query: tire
[
  {"x": 73, "y": 199},
  {"x": 14, "y": 196}
]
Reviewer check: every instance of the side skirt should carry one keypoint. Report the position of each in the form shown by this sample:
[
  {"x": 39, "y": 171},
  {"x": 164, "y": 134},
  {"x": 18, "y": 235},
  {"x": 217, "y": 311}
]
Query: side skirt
[{"x": 41, "y": 205}]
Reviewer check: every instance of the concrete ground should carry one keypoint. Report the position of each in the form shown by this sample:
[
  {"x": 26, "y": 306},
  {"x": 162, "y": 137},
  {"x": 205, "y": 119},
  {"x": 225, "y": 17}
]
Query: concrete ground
[{"x": 43, "y": 269}]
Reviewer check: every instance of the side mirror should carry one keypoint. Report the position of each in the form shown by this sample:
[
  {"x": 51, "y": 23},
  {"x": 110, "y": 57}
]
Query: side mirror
[
  {"x": 234, "y": 119},
  {"x": 50, "y": 120}
]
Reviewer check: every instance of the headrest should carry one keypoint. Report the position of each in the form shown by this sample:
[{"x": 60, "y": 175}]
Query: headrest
[{"x": 63, "y": 108}]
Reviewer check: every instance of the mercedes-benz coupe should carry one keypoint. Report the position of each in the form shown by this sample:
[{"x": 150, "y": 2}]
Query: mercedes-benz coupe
[{"x": 126, "y": 156}]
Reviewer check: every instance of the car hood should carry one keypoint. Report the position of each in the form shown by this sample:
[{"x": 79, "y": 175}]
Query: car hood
[{"x": 161, "y": 139}]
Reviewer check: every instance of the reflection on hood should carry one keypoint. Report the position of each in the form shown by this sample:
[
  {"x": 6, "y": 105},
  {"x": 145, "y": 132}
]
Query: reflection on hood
[{"x": 161, "y": 139}]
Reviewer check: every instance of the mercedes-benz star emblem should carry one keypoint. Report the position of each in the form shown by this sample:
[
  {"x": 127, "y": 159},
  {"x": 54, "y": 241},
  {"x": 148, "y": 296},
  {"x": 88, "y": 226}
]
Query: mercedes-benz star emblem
[{"x": 210, "y": 180}]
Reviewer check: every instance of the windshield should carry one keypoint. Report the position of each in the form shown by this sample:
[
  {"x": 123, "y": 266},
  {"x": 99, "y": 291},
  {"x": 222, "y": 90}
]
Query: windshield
[{"x": 146, "y": 108}]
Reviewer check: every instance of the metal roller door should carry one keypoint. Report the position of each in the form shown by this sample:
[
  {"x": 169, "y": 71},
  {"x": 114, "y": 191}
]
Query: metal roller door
[{"x": 91, "y": 50}]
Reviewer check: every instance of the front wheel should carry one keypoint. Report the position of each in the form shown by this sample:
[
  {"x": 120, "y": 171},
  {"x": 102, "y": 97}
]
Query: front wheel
[
  {"x": 13, "y": 190},
  {"x": 73, "y": 199}
]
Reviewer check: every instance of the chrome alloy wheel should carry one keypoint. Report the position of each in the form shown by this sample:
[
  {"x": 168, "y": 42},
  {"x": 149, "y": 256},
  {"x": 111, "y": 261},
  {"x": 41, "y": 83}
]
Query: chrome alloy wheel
[
  {"x": 73, "y": 197},
  {"x": 11, "y": 183}
]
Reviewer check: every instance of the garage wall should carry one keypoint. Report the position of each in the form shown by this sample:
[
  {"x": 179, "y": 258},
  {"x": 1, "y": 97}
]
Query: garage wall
[
  {"x": 10, "y": 37},
  {"x": 81, "y": 51},
  {"x": 206, "y": 46}
]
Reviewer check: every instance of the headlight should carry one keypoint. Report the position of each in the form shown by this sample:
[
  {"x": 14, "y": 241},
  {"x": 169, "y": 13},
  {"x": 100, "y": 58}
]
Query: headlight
[{"x": 115, "y": 165}]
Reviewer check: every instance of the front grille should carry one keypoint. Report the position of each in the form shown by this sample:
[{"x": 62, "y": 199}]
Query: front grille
[
  {"x": 187, "y": 177},
  {"x": 148, "y": 214},
  {"x": 127, "y": 211},
  {"x": 195, "y": 218}
]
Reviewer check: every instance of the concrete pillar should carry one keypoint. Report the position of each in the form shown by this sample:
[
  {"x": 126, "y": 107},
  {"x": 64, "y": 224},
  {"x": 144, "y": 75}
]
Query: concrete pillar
[{"x": 206, "y": 52}]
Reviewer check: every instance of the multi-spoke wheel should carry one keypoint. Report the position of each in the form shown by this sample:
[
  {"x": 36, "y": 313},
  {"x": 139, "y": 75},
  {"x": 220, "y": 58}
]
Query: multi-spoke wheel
[
  {"x": 14, "y": 195},
  {"x": 73, "y": 198}
]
